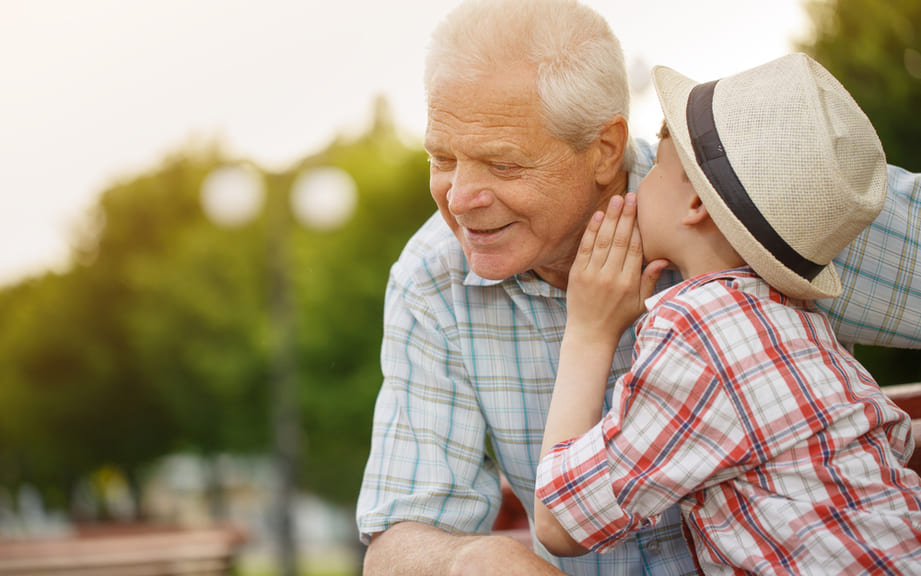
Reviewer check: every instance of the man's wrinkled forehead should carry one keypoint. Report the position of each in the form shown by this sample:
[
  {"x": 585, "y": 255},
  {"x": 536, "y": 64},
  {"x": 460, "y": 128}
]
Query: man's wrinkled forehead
[{"x": 486, "y": 97}]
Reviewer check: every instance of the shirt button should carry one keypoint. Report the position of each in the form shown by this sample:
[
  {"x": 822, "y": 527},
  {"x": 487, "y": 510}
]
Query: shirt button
[{"x": 653, "y": 546}]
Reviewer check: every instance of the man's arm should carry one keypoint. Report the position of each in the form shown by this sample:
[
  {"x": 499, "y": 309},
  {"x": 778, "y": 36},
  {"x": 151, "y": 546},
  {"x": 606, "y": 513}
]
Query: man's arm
[
  {"x": 429, "y": 492},
  {"x": 421, "y": 550},
  {"x": 881, "y": 273}
]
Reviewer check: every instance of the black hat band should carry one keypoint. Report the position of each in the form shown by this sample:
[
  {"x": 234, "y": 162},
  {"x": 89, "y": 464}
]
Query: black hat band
[{"x": 712, "y": 159}]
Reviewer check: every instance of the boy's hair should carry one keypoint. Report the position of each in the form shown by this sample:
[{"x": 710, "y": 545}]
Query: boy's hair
[{"x": 662, "y": 135}]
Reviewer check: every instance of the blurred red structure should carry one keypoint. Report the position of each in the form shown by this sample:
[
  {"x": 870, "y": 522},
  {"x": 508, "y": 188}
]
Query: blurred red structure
[
  {"x": 125, "y": 550},
  {"x": 512, "y": 520},
  {"x": 512, "y": 515}
]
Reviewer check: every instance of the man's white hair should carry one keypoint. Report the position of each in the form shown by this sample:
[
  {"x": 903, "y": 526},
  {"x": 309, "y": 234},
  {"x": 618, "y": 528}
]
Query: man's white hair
[{"x": 581, "y": 76}]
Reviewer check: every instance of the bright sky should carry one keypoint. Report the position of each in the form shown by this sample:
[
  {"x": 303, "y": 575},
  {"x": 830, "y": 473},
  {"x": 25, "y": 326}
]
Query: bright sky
[{"x": 96, "y": 90}]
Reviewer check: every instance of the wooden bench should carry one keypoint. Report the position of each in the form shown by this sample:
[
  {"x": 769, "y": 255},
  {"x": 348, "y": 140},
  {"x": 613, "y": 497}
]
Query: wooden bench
[
  {"x": 125, "y": 551},
  {"x": 513, "y": 521}
]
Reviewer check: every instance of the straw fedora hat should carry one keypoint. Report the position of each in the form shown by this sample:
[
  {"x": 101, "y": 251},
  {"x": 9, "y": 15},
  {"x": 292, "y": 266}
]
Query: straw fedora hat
[{"x": 786, "y": 163}]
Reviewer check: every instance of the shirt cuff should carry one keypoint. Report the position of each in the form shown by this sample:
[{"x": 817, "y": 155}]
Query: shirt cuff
[{"x": 573, "y": 481}]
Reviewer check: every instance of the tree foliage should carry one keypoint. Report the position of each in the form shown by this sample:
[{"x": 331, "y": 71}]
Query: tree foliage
[
  {"x": 874, "y": 49},
  {"x": 160, "y": 335}
]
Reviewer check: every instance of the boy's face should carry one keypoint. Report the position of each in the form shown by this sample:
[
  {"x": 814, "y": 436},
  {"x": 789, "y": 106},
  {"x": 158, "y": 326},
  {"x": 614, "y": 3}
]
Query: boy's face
[{"x": 662, "y": 201}]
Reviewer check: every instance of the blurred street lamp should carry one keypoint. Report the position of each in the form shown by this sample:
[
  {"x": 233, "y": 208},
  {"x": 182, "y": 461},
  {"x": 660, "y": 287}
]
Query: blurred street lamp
[
  {"x": 321, "y": 199},
  {"x": 231, "y": 196},
  {"x": 324, "y": 198}
]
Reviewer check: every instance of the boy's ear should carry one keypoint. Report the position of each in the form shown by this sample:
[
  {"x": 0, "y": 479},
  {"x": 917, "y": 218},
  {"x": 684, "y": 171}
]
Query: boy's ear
[
  {"x": 696, "y": 212},
  {"x": 611, "y": 144}
]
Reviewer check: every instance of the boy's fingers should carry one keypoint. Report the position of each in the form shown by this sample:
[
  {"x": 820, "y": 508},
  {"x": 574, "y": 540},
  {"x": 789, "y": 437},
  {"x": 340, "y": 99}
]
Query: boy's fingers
[
  {"x": 625, "y": 229},
  {"x": 635, "y": 251},
  {"x": 609, "y": 226},
  {"x": 587, "y": 245},
  {"x": 583, "y": 257},
  {"x": 633, "y": 257}
]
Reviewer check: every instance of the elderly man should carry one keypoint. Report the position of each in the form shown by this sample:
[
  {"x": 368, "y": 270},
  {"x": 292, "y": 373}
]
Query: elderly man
[{"x": 527, "y": 134}]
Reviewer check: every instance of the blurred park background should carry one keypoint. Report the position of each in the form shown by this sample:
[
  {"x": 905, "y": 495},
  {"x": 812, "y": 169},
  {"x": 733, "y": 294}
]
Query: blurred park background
[{"x": 193, "y": 362}]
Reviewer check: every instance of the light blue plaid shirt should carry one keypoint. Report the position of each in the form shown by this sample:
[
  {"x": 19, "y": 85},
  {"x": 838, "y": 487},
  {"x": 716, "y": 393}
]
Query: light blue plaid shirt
[{"x": 469, "y": 367}]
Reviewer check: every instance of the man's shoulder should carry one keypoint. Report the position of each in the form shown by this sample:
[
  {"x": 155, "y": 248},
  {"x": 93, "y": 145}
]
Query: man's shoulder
[
  {"x": 643, "y": 158},
  {"x": 644, "y": 155}
]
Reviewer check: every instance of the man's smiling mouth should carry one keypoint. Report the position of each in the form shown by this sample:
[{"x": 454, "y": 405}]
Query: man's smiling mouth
[
  {"x": 482, "y": 235},
  {"x": 486, "y": 230}
]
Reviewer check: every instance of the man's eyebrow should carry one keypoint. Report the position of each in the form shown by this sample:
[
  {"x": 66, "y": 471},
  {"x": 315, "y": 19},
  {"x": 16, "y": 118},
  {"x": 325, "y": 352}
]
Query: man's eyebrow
[
  {"x": 431, "y": 146},
  {"x": 500, "y": 150},
  {"x": 485, "y": 151},
  {"x": 493, "y": 150}
]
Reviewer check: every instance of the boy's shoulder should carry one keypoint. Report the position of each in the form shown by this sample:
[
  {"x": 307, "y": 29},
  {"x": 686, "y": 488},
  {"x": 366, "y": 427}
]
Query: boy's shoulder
[
  {"x": 698, "y": 298},
  {"x": 723, "y": 300}
]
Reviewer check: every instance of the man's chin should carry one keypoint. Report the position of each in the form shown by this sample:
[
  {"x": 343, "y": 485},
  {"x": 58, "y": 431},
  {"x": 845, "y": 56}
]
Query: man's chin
[{"x": 492, "y": 267}]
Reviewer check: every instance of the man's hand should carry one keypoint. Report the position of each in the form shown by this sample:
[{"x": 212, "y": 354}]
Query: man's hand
[{"x": 421, "y": 549}]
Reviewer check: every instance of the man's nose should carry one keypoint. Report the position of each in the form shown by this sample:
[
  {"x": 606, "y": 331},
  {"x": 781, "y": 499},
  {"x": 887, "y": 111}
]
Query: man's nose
[{"x": 470, "y": 189}]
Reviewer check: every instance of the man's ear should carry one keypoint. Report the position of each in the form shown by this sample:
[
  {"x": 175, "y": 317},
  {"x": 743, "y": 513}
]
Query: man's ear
[
  {"x": 696, "y": 212},
  {"x": 611, "y": 144}
]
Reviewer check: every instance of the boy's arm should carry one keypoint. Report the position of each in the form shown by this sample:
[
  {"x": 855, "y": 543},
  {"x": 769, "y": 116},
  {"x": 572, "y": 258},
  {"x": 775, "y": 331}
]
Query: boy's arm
[
  {"x": 606, "y": 291},
  {"x": 576, "y": 406}
]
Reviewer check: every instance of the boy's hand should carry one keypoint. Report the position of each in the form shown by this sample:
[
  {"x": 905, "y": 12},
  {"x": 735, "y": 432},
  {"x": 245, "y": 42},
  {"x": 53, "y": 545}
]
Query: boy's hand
[{"x": 607, "y": 284}]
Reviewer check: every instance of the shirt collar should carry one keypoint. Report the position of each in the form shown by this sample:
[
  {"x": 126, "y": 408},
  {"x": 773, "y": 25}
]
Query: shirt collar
[
  {"x": 528, "y": 282},
  {"x": 732, "y": 275}
]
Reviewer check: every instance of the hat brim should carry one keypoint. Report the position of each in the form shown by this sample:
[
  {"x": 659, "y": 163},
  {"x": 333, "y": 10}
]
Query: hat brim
[{"x": 673, "y": 89}]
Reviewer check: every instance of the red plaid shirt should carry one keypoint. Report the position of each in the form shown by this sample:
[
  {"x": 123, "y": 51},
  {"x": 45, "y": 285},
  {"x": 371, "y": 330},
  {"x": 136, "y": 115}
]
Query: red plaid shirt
[{"x": 742, "y": 407}]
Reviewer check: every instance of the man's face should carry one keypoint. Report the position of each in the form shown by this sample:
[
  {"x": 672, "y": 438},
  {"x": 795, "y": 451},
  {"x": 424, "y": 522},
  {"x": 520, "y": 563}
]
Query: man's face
[{"x": 516, "y": 198}]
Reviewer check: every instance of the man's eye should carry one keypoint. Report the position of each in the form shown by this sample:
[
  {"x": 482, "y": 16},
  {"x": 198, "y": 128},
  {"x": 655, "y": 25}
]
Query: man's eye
[
  {"x": 504, "y": 168},
  {"x": 441, "y": 162}
]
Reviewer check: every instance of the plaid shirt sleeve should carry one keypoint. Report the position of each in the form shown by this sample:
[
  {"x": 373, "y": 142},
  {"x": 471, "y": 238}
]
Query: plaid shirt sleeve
[
  {"x": 881, "y": 301},
  {"x": 427, "y": 461},
  {"x": 621, "y": 475}
]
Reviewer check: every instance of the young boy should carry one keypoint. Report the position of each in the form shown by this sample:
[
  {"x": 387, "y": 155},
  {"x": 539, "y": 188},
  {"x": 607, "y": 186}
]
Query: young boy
[{"x": 741, "y": 405}]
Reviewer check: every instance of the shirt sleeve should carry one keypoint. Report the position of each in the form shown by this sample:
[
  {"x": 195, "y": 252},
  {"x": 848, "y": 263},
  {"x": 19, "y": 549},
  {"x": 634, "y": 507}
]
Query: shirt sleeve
[
  {"x": 622, "y": 474},
  {"x": 574, "y": 482},
  {"x": 881, "y": 300},
  {"x": 427, "y": 461}
]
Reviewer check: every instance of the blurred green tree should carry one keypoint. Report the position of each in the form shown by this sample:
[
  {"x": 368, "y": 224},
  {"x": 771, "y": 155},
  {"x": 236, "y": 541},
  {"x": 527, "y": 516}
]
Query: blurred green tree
[
  {"x": 340, "y": 278},
  {"x": 874, "y": 49},
  {"x": 71, "y": 396},
  {"x": 159, "y": 337}
]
